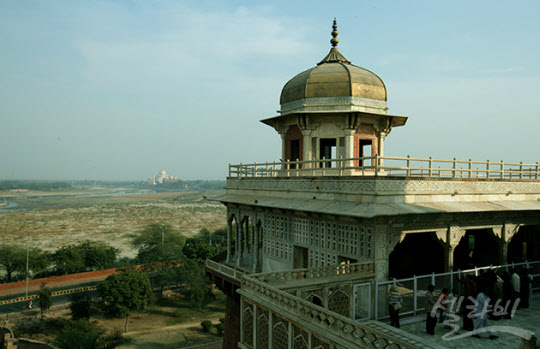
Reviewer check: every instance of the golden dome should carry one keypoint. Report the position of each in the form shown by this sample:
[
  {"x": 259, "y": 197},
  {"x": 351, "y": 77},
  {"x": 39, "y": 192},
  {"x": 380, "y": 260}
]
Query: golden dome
[{"x": 334, "y": 81}]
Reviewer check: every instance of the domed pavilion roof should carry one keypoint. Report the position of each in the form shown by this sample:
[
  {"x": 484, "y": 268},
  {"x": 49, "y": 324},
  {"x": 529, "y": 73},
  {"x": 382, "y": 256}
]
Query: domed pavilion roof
[{"x": 334, "y": 84}]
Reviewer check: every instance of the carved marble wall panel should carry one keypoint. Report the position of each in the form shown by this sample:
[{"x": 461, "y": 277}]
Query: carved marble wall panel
[
  {"x": 325, "y": 240},
  {"x": 387, "y": 185}
]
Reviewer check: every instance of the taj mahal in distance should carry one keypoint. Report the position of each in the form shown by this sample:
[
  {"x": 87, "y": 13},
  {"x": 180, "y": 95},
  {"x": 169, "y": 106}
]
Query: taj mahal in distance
[{"x": 313, "y": 240}]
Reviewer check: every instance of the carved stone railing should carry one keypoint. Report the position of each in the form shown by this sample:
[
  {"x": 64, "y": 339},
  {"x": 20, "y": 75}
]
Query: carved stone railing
[
  {"x": 389, "y": 166},
  {"x": 353, "y": 269},
  {"x": 224, "y": 270},
  {"x": 326, "y": 323}
]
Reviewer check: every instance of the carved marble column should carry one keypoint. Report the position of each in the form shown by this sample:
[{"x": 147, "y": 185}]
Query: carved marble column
[
  {"x": 229, "y": 241},
  {"x": 306, "y": 139},
  {"x": 284, "y": 147},
  {"x": 256, "y": 237},
  {"x": 503, "y": 252},
  {"x": 381, "y": 252},
  {"x": 507, "y": 232},
  {"x": 454, "y": 237},
  {"x": 380, "y": 148},
  {"x": 236, "y": 239},
  {"x": 380, "y": 145},
  {"x": 240, "y": 244},
  {"x": 450, "y": 238},
  {"x": 246, "y": 234},
  {"x": 349, "y": 147}
]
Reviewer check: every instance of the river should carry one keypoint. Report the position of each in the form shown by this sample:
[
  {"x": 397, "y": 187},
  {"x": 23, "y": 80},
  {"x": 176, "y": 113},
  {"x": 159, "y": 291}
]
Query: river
[{"x": 16, "y": 206}]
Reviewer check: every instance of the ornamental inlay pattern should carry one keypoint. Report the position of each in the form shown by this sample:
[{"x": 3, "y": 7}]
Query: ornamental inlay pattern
[{"x": 387, "y": 185}]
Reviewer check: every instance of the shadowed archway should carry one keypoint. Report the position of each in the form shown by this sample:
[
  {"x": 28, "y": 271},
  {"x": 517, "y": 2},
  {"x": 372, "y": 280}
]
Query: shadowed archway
[
  {"x": 478, "y": 248},
  {"x": 525, "y": 245},
  {"x": 417, "y": 254}
]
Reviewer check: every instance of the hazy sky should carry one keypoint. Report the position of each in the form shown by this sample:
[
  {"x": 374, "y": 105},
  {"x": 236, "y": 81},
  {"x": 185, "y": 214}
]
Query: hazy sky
[{"x": 122, "y": 89}]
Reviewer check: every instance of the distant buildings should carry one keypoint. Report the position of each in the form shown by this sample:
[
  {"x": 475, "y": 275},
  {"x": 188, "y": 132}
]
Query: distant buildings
[{"x": 162, "y": 177}]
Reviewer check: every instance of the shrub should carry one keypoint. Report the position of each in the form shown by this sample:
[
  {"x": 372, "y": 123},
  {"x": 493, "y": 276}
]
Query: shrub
[
  {"x": 85, "y": 335},
  {"x": 206, "y": 326},
  {"x": 80, "y": 306},
  {"x": 220, "y": 328},
  {"x": 44, "y": 298}
]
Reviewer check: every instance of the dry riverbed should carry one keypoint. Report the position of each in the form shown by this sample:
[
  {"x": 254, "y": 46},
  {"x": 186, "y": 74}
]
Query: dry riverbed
[{"x": 65, "y": 218}]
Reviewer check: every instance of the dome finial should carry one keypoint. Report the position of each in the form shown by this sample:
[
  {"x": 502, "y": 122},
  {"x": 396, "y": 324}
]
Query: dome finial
[
  {"x": 334, "y": 55},
  {"x": 334, "y": 41}
]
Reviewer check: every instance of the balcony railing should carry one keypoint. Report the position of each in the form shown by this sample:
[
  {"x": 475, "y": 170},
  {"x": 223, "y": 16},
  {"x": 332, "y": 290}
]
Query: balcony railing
[
  {"x": 224, "y": 270},
  {"x": 389, "y": 166},
  {"x": 315, "y": 274},
  {"x": 350, "y": 333}
]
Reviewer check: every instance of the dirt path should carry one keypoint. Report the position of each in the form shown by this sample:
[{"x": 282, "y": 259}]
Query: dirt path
[
  {"x": 186, "y": 325},
  {"x": 175, "y": 336}
]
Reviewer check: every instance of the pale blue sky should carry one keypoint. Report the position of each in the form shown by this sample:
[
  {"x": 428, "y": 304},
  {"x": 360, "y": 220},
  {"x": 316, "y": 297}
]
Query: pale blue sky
[{"x": 121, "y": 89}]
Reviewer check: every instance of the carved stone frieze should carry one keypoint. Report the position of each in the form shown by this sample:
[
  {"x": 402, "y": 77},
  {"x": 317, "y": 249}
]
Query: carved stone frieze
[{"x": 386, "y": 185}]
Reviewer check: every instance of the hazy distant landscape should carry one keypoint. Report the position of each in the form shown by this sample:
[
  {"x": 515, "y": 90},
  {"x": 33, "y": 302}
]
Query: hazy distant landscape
[
  {"x": 57, "y": 214},
  {"x": 109, "y": 213}
]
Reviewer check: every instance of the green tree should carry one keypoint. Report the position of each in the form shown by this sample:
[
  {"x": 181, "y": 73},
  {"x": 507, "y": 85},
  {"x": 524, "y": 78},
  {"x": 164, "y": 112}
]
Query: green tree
[
  {"x": 80, "y": 306},
  {"x": 68, "y": 260},
  {"x": 38, "y": 261},
  {"x": 158, "y": 245},
  {"x": 204, "y": 234},
  {"x": 98, "y": 255},
  {"x": 85, "y": 335},
  {"x": 219, "y": 237},
  {"x": 198, "y": 249},
  {"x": 197, "y": 286},
  {"x": 44, "y": 298},
  {"x": 125, "y": 293},
  {"x": 83, "y": 257},
  {"x": 160, "y": 254},
  {"x": 162, "y": 274},
  {"x": 156, "y": 234},
  {"x": 13, "y": 260}
]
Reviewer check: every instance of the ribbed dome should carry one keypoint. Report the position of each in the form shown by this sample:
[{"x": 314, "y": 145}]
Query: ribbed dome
[
  {"x": 332, "y": 90},
  {"x": 334, "y": 79}
]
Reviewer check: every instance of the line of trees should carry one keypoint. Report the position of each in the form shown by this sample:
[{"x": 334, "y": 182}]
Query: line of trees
[
  {"x": 86, "y": 256},
  {"x": 41, "y": 186},
  {"x": 157, "y": 245}
]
